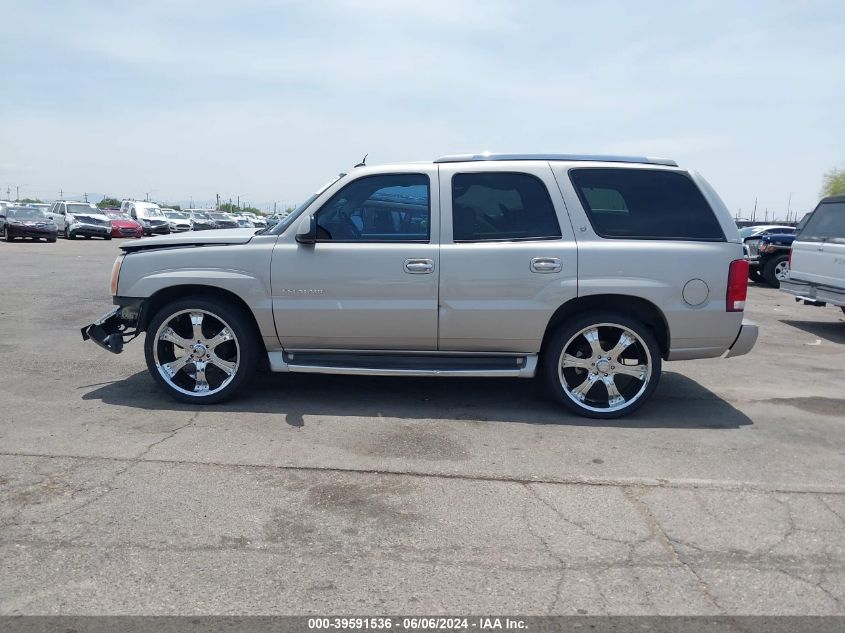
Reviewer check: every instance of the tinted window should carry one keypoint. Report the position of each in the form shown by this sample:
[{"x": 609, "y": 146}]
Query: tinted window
[
  {"x": 387, "y": 208},
  {"x": 826, "y": 223},
  {"x": 645, "y": 204},
  {"x": 501, "y": 206}
]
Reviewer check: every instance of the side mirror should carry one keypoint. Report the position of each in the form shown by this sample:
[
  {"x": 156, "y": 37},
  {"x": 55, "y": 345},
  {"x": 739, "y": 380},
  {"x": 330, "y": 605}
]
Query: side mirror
[{"x": 307, "y": 231}]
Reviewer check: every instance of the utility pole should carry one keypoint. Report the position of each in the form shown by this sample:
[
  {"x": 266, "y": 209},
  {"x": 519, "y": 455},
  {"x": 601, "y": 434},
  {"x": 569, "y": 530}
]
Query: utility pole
[
  {"x": 239, "y": 203},
  {"x": 86, "y": 196},
  {"x": 61, "y": 194},
  {"x": 218, "y": 202}
]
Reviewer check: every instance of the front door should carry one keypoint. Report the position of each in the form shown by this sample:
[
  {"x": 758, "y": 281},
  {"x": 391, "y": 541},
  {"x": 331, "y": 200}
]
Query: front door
[
  {"x": 370, "y": 281},
  {"x": 508, "y": 258},
  {"x": 819, "y": 252}
]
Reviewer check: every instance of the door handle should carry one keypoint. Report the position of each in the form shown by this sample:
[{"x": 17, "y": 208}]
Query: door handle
[
  {"x": 546, "y": 265},
  {"x": 419, "y": 266}
]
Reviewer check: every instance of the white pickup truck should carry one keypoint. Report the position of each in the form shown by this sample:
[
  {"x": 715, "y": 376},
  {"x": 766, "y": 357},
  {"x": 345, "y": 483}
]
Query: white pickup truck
[{"x": 817, "y": 266}]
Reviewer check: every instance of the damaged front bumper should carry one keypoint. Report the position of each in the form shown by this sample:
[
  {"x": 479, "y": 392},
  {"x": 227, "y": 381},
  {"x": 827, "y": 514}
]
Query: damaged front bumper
[{"x": 116, "y": 328}]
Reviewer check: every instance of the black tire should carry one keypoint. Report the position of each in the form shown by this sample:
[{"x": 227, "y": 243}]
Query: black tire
[
  {"x": 107, "y": 237},
  {"x": 636, "y": 390},
  {"x": 755, "y": 276},
  {"x": 52, "y": 240},
  {"x": 769, "y": 267},
  {"x": 238, "y": 321},
  {"x": 6, "y": 235}
]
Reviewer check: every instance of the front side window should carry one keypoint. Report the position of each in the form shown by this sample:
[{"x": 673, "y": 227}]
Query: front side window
[
  {"x": 386, "y": 208},
  {"x": 645, "y": 204},
  {"x": 827, "y": 223},
  {"x": 501, "y": 206}
]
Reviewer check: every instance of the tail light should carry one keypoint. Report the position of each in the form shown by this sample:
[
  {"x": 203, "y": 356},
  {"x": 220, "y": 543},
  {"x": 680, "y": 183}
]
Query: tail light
[
  {"x": 789, "y": 259},
  {"x": 737, "y": 286}
]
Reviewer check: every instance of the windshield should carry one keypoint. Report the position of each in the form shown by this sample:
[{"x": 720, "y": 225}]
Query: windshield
[
  {"x": 82, "y": 208},
  {"x": 149, "y": 212},
  {"x": 25, "y": 213},
  {"x": 176, "y": 215},
  {"x": 201, "y": 215},
  {"x": 748, "y": 231},
  {"x": 219, "y": 216},
  {"x": 285, "y": 222},
  {"x": 118, "y": 216}
]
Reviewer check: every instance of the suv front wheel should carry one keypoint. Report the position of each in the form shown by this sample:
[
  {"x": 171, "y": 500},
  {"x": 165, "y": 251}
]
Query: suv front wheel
[
  {"x": 201, "y": 350},
  {"x": 602, "y": 365}
]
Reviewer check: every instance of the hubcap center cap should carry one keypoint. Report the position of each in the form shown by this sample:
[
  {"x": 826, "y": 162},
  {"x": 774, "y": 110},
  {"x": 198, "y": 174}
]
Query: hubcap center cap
[
  {"x": 603, "y": 365},
  {"x": 199, "y": 350}
]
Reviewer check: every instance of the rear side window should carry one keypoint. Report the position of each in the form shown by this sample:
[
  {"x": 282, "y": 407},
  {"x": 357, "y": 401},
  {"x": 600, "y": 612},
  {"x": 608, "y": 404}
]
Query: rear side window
[
  {"x": 645, "y": 204},
  {"x": 501, "y": 206},
  {"x": 826, "y": 224}
]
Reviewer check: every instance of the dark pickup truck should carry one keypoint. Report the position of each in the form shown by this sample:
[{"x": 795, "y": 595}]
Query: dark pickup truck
[{"x": 768, "y": 258}]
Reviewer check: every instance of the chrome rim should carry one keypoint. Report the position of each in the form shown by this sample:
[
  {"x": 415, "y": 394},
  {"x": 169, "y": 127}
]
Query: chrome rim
[
  {"x": 605, "y": 367},
  {"x": 782, "y": 271},
  {"x": 196, "y": 352}
]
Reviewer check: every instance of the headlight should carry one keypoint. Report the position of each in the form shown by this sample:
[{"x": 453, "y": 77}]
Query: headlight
[{"x": 115, "y": 274}]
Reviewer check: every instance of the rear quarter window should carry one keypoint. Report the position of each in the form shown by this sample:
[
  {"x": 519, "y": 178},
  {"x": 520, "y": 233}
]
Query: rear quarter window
[
  {"x": 827, "y": 223},
  {"x": 645, "y": 204}
]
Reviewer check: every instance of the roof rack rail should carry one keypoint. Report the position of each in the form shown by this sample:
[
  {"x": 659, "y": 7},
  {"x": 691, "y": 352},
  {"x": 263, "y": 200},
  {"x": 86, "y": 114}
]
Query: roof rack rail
[{"x": 605, "y": 158}]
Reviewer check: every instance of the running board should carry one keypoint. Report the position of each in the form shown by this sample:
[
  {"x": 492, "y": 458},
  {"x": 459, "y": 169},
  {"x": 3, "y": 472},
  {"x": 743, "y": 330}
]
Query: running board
[{"x": 404, "y": 364}]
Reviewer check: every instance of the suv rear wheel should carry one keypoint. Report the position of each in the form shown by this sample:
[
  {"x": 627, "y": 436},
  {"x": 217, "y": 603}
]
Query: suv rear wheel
[
  {"x": 602, "y": 365},
  {"x": 201, "y": 350}
]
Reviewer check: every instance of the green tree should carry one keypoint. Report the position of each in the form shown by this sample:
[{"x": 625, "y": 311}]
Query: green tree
[
  {"x": 109, "y": 203},
  {"x": 834, "y": 182},
  {"x": 228, "y": 207},
  {"x": 29, "y": 200}
]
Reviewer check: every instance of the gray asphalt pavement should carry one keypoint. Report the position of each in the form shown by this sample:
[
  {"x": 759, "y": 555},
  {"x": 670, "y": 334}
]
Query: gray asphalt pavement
[{"x": 725, "y": 494}]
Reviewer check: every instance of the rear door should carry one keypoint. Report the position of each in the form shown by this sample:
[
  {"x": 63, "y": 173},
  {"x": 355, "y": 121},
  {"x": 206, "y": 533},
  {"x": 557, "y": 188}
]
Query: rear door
[
  {"x": 508, "y": 256},
  {"x": 818, "y": 253}
]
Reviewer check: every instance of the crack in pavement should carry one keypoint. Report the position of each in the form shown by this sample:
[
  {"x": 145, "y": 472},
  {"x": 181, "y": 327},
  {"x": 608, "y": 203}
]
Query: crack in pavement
[
  {"x": 132, "y": 463},
  {"x": 673, "y": 552},
  {"x": 562, "y": 568},
  {"x": 725, "y": 486}
]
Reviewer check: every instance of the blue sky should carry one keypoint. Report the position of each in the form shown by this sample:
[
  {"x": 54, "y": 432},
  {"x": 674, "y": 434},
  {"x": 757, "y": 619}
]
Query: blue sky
[{"x": 267, "y": 100}]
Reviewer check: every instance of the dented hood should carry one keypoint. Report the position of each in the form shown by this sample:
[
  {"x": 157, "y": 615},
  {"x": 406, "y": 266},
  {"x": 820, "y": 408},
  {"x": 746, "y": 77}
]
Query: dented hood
[{"x": 199, "y": 238}]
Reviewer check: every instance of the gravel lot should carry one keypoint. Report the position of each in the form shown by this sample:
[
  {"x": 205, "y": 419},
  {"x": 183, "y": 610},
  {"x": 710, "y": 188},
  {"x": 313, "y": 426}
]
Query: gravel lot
[{"x": 315, "y": 494}]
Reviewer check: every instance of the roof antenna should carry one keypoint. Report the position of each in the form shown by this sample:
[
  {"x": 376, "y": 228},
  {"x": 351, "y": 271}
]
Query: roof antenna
[{"x": 363, "y": 162}]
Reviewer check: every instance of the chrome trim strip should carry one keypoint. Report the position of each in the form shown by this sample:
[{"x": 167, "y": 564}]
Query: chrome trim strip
[{"x": 278, "y": 364}]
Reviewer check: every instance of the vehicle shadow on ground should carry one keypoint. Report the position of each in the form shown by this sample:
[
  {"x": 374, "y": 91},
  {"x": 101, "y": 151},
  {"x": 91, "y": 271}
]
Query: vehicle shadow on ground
[
  {"x": 679, "y": 402},
  {"x": 833, "y": 331}
]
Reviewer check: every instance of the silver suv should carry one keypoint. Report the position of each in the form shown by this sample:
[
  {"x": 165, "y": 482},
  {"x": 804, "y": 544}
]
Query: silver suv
[{"x": 587, "y": 271}]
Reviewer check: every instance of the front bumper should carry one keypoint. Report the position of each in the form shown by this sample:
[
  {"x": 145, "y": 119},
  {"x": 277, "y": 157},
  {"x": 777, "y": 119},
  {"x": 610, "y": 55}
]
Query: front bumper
[
  {"x": 126, "y": 231},
  {"x": 92, "y": 230},
  {"x": 814, "y": 293},
  {"x": 179, "y": 228},
  {"x": 116, "y": 327},
  {"x": 31, "y": 231},
  {"x": 158, "y": 229},
  {"x": 744, "y": 340}
]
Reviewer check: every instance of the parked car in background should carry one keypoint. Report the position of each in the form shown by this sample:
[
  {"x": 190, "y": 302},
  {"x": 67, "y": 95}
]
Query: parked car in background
[
  {"x": 245, "y": 223},
  {"x": 22, "y": 221},
  {"x": 178, "y": 220},
  {"x": 122, "y": 225},
  {"x": 751, "y": 237},
  {"x": 773, "y": 257},
  {"x": 272, "y": 220},
  {"x": 79, "y": 219},
  {"x": 817, "y": 267},
  {"x": 464, "y": 266},
  {"x": 148, "y": 214},
  {"x": 223, "y": 220},
  {"x": 258, "y": 220},
  {"x": 200, "y": 219}
]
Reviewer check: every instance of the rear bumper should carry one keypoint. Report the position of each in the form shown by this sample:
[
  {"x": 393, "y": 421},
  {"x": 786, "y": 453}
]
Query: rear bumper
[
  {"x": 814, "y": 293},
  {"x": 745, "y": 339}
]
